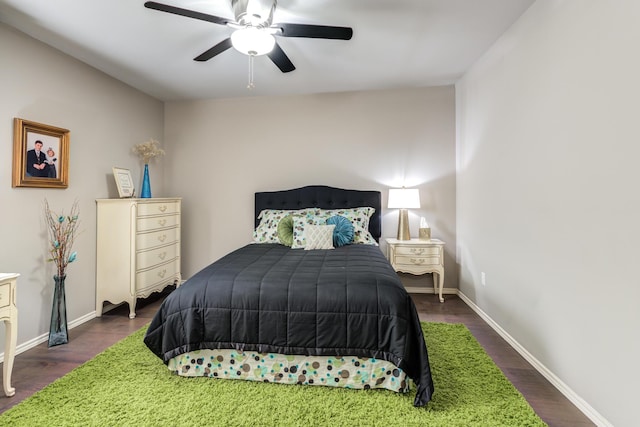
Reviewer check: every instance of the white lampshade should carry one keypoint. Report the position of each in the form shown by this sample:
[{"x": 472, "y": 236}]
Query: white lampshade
[
  {"x": 404, "y": 198},
  {"x": 252, "y": 41}
]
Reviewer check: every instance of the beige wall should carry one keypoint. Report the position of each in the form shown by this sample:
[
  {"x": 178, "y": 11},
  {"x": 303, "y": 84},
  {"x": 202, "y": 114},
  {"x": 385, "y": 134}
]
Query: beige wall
[
  {"x": 105, "y": 118},
  {"x": 548, "y": 198},
  {"x": 226, "y": 150}
]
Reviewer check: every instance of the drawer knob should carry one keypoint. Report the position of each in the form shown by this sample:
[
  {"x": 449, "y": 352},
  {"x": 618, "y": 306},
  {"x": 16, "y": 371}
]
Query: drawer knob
[
  {"x": 162, "y": 208},
  {"x": 162, "y": 238},
  {"x": 417, "y": 260},
  {"x": 162, "y": 222},
  {"x": 162, "y": 273},
  {"x": 417, "y": 251},
  {"x": 162, "y": 255}
]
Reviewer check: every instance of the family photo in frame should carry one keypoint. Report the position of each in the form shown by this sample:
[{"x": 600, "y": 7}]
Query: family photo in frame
[
  {"x": 124, "y": 182},
  {"x": 40, "y": 155}
]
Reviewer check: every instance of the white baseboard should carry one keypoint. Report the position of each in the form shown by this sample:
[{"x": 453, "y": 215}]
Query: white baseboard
[
  {"x": 45, "y": 337},
  {"x": 580, "y": 403},
  {"x": 429, "y": 290}
]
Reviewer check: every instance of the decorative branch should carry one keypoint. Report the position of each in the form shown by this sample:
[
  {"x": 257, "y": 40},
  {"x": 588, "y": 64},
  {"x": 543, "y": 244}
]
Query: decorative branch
[{"x": 62, "y": 234}]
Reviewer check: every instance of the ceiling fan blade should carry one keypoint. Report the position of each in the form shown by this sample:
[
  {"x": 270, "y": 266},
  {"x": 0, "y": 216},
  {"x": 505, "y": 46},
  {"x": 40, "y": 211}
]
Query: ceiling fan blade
[
  {"x": 314, "y": 31},
  {"x": 219, "y": 48},
  {"x": 281, "y": 59},
  {"x": 186, "y": 12}
]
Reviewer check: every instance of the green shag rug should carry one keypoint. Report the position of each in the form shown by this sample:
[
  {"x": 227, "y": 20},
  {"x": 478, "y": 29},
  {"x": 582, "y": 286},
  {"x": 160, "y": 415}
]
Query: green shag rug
[{"x": 127, "y": 385}]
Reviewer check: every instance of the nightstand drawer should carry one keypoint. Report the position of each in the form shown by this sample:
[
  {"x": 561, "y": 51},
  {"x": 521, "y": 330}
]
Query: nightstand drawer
[
  {"x": 5, "y": 295},
  {"x": 417, "y": 260},
  {"x": 159, "y": 208},
  {"x": 417, "y": 251},
  {"x": 153, "y": 223}
]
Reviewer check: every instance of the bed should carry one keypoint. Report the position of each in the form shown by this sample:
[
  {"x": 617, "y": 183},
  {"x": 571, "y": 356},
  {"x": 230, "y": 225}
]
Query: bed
[{"x": 276, "y": 313}]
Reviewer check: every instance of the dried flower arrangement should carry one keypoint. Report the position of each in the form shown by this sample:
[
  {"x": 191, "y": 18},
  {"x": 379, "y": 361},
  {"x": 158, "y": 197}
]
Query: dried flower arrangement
[
  {"x": 148, "y": 150},
  {"x": 62, "y": 233}
]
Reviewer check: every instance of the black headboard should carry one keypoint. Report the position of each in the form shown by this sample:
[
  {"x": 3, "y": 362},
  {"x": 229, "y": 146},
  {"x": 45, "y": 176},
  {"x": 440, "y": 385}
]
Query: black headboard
[{"x": 321, "y": 196}]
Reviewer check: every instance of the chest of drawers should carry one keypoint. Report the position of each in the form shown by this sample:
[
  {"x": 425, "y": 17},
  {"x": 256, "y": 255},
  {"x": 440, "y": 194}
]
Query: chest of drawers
[{"x": 138, "y": 249}]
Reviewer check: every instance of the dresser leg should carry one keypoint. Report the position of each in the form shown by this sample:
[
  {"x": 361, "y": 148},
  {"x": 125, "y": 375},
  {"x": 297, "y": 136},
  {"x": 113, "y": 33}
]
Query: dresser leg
[
  {"x": 9, "y": 354},
  {"x": 132, "y": 309}
]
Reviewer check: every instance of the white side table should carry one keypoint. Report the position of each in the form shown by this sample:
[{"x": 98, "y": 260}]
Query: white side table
[
  {"x": 8, "y": 314},
  {"x": 418, "y": 257}
]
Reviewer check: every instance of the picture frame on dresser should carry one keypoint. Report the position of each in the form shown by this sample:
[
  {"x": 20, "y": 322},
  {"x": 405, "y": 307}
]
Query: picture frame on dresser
[
  {"x": 40, "y": 155},
  {"x": 124, "y": 182}
]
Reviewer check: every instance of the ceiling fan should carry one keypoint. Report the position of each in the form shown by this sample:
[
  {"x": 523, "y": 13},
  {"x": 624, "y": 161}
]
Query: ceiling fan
[{"x": 254, "y": 30}]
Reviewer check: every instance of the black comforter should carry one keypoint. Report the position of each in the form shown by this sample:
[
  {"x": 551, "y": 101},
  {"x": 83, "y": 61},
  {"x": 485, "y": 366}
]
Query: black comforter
[{"x": 270, "y": 298}]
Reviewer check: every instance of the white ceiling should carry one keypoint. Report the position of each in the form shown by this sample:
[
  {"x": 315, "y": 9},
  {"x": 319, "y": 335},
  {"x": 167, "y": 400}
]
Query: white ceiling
[{"x": 395, "y": 44}]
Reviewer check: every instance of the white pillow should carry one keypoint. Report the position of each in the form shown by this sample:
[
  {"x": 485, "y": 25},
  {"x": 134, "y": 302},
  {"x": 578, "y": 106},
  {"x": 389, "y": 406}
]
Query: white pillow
[
  {"x": 318, "y": 236},
  {"x": 300, "y": 224}
]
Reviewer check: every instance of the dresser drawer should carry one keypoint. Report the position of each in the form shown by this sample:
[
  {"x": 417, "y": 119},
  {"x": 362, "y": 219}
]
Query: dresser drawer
[
  {"x": 5, "y": 294},
  {"x": 146, "y": 259},
  {"x": 146, "y": 280},
  {"x": 417, "y": 251},
  {"x": 153, "y": 239},
  {"x": 156, "y": 222},
  {"x": 158, "y": 208}
]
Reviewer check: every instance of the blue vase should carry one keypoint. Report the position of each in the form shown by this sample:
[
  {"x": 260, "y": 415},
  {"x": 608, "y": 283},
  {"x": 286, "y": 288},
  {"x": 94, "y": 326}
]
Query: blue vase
[
  {"x": 58, "y": 333},
  {"x": 146, "y": 185}
]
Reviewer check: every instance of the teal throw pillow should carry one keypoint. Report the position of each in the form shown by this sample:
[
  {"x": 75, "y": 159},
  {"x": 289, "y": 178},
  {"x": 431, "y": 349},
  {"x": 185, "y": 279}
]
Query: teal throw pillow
[{"x": 343, "y": 232}]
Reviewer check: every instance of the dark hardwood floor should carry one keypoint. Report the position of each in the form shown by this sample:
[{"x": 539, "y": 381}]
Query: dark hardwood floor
[{"x": 40, "y": 365}]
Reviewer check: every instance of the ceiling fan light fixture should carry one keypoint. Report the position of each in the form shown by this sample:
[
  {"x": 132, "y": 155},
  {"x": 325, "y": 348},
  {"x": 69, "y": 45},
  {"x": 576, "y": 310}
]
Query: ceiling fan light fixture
[{"x": 253, "y": 41}]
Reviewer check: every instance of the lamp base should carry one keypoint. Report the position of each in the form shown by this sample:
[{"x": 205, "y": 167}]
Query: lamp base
[{"x": 403, "y": 225}]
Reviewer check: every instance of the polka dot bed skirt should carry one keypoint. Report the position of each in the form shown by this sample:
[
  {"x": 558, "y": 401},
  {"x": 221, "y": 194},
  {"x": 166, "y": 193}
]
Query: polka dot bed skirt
[{"x": 345, "y": 371}]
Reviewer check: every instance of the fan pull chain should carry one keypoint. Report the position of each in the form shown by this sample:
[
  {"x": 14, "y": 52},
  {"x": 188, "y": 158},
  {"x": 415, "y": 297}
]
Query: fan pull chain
[{"x": 251, "y": 85}]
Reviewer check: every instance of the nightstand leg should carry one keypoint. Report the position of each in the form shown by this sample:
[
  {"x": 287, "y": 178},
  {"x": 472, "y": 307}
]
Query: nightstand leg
[
  {"x": 10, "y": 350},
  {"x": 438, "y": 281}
]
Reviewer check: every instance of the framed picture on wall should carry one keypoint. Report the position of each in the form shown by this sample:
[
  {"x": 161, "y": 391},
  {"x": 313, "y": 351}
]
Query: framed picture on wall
[
  {"x": 124, "y": 182},
  {"x": 40, "y": 155}
]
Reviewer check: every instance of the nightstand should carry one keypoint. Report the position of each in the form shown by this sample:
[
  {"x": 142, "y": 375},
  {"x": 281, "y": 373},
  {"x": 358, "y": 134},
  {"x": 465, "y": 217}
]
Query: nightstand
[
  {"x": 418, "y": 257},
  {"x": 8, "y": 314}
]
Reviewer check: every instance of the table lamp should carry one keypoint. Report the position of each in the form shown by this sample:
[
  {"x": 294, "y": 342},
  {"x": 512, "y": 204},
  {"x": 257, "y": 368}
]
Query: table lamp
[{"x": 403, "y": 199}]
